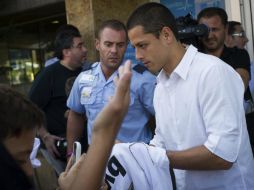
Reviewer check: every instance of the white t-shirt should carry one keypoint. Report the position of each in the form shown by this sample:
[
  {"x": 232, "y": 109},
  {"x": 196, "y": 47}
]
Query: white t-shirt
[{"x": 200, "y": 103}]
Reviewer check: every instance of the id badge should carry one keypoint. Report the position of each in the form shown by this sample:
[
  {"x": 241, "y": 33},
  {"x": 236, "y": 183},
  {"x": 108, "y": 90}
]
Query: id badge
[
  {"x": 87, "y": 78},
  {"x": 86, "y": 92}
]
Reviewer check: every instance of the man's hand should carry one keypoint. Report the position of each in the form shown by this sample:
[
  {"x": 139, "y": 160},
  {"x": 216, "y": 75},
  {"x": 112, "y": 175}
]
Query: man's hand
[
  {"x": 122, "y": 82},
  {"x": 66, "y": 178},
  {"x": 49, "y": 141}
]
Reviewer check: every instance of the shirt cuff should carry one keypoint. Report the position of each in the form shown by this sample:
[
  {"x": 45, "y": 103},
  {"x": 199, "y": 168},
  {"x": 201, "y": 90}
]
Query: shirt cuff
[{"x": 226, "y": 147}]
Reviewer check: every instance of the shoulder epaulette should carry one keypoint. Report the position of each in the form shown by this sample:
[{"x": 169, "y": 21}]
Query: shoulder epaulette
[{"x": 139, "y": 68}]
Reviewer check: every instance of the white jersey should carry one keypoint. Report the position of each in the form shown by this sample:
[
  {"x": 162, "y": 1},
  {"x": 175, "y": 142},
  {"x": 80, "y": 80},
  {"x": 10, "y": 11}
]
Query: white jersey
[{"x": 138, "y": 166}]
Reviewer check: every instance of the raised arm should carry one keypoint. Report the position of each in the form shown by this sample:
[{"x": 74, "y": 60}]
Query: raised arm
[{"x": 90, "y": 169}]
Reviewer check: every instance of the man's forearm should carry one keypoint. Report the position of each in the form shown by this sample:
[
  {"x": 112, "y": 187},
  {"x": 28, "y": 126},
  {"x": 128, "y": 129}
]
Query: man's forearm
[
  {"x": 75, "y": 128},
  {"x": 244, "y": 75},
  {"x": 197, "y": 158},
  {"x": 104, "y": 132}
]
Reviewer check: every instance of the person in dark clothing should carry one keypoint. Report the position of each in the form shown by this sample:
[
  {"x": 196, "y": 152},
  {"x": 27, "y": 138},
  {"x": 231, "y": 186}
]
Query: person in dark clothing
[
  {"x": 236, "y": 36},
  {"x": 17, "y": 138},
  {"x": 216, "y": 19},
  {"x": 48, "y": 89}
]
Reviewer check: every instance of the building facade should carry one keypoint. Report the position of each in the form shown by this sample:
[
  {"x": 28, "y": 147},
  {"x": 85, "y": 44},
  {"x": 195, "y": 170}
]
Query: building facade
[{"x": 27, "y": 28}]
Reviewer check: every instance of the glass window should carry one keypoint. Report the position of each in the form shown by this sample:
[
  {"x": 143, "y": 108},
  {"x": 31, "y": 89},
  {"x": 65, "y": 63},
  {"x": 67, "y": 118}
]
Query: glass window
[
  {"x": 183, "y": 7},
  {"x": 24, "y": 48},
  {"x": 24, "y": 65}
]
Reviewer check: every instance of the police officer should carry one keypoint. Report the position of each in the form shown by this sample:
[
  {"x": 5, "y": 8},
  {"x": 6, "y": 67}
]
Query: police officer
[{"x": 93, "y": 89}]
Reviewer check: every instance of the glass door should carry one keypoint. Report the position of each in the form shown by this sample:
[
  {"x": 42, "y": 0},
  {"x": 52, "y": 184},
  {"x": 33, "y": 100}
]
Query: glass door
[{"x": 24, "y": 65}]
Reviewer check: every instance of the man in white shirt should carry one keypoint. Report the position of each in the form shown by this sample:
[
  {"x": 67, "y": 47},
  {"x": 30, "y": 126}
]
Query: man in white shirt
[{"x": 198, "y": 105}]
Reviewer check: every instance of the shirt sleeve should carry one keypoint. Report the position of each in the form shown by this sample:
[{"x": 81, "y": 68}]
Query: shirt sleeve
[
  {"x": 73, "y": 101},
  {"x": 221, "y": 103},
  {"x": 158, "y": 140}
]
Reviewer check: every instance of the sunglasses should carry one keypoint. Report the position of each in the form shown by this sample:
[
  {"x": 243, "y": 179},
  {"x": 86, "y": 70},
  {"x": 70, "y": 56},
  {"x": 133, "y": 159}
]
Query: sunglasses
[{"x": 240, "y": 34}]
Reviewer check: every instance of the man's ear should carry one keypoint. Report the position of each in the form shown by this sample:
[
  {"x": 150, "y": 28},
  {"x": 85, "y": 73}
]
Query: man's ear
[
  {"x": 228, "y": 40},
  {"x": 66, "y": 52},
  {"x": 97, "y": 44},
  {"x": 167, "y": 34}
]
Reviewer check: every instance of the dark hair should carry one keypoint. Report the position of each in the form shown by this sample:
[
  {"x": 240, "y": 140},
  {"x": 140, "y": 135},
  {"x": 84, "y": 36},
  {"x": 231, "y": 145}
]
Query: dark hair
[
  {"x": 231, "y": 26},
  {"x": 152, "y": 17},
  {"x": 64, "y": 39},
  {"x": 113, "y": 24},
  {"x": 17, "y": 113},
  {"x": 214, "y": 11}
]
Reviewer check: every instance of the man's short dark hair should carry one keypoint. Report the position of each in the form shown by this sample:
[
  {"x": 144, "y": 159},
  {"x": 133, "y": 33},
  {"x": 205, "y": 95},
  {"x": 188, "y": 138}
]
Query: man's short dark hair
[
  {"x": 113, "y": 24},
  {"x": 231, "y": 27},
  {"x": 18, "y": 114},
  {"x": 153, "y": 17},
  {"x": 214, "y": 11},
  {"x": 64, "y": 39}
]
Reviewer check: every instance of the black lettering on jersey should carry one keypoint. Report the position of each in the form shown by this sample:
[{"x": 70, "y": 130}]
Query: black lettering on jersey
[
  {"x": 110, "y": 179},
  {"x": 114, "y": 167}
]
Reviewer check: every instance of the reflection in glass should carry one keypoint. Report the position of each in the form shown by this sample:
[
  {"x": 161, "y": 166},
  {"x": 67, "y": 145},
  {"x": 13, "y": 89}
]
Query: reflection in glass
[{"x": 24, "y": 65}]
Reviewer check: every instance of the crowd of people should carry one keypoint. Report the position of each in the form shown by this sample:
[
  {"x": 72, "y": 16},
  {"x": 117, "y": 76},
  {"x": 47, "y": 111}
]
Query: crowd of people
[{"x": 201, "y": 100}]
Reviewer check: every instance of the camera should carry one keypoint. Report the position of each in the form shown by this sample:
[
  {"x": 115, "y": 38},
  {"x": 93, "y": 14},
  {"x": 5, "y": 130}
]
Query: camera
[
  {"x": 189, "y": 30},
  {"x": 61, "y": 146}
]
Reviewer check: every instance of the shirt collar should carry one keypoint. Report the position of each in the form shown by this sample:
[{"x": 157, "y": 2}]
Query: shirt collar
[
  {"x": 98, "y": 71},
  {"x": 183, "y": 67}
]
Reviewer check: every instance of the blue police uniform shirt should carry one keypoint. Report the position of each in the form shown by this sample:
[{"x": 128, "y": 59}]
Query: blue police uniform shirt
[{"x": 91, "y": 92}]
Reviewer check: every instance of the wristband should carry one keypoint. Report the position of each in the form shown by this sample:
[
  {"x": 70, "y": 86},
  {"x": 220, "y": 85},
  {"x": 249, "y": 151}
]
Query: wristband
[{"x": 69, "y": 154}]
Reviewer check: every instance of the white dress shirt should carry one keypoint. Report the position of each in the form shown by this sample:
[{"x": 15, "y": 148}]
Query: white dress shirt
[{"x": 200, "y": 103}]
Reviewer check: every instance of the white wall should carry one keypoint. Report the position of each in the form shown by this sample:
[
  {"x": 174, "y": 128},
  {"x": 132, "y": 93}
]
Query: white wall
[
  {"x": 247, "y": 23},
  {"x": 233, "y": 10}
]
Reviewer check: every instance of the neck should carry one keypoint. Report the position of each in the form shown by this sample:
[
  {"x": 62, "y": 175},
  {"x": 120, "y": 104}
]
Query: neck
[
  {"x": 216, "y": 52},
  {"x": 67, "y": 65},
  {"x": 175, "y": 58},
  {"x": 107, "y": 71}
]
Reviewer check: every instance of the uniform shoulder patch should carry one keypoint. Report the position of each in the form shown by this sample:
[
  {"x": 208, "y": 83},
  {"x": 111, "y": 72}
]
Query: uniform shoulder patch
[{"x": 139, "y": 68}]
